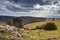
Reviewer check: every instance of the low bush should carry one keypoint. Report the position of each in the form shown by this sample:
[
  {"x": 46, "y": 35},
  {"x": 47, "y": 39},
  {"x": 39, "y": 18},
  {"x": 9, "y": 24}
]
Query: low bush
[{"x": 50, "y": 26}]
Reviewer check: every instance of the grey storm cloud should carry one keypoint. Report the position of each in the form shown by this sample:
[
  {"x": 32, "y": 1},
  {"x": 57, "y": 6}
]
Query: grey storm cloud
[
  {"x": 30, "y": 3},
  {"x": 36, "y": 8}
]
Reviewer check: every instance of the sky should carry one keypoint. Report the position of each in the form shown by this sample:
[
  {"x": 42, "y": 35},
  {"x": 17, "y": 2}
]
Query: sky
[{"x": 34, "y": 8}]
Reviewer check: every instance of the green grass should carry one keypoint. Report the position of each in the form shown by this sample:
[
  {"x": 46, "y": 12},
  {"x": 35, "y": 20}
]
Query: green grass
[
  {"x": 38, "y": 34},
  {"x": 42, "y": 34}
]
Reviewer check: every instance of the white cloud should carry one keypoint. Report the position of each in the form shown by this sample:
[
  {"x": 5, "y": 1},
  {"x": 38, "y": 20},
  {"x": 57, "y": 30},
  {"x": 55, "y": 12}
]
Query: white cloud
[
  {"x": 38, "y": 10},
  {"x": 5, "y": 3},
  {"x": 47, "y": 10},
  {"x": 8, "y": 3},
  {"x": 36, "y": 6}
]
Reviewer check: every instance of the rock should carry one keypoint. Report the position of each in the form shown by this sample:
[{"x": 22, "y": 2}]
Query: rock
[
  {"x": 10, "y": 28},
  {"x": 7, "y": 28},
  {"x": 2, "y": 26},
  {"x": 52, "y": 38},
  {"x": 3, "y": 30},
  {"x": 17, "y": 22}
]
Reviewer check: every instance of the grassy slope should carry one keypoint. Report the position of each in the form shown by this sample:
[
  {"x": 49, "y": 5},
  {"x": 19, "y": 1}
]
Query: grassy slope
[{"x": 41, "y": 34}]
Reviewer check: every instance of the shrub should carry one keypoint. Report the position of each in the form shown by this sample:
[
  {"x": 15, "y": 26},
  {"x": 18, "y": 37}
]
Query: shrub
[
  {"x": 38, "y": 27},
  {"x": 50, "y": 26}
]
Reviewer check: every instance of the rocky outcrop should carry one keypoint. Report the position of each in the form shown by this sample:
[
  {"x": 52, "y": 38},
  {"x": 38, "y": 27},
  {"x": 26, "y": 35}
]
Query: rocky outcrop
[{"x": 17, "y": 22}]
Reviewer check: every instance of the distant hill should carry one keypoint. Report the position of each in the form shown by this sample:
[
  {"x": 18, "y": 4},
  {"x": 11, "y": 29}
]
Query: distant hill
[
  {"x": 25, "y": 19},
  {"x": 5, "y": 18},
  {"x": 52, "y": 17}
]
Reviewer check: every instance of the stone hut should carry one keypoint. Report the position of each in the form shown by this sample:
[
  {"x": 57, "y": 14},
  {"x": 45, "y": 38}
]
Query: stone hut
[{"x": 16, "y": 22}]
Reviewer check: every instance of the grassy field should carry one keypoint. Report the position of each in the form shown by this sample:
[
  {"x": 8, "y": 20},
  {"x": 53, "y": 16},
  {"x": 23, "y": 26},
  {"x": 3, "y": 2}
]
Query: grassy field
[
  {"x": 42, "y": 34},
  {"x": 36, "y": 34}
]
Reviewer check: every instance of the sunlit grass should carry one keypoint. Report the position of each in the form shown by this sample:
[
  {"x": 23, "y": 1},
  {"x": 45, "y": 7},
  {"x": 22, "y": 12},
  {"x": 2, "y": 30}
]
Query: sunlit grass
[
  {"x": 42, "y": 34},
  {"x": 39, "y": 34}
]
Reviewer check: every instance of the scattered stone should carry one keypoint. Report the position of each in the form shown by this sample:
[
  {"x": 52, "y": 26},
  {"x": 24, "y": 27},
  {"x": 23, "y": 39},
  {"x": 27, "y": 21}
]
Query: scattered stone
[
  {"x": 52, "y": 38},
  {"x": 3, "y": 30}
]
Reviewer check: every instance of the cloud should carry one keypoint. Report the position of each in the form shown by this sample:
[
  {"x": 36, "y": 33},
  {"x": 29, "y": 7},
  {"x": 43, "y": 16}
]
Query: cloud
[
  {"x": 46, "y": 10},
  {"x": 36, "y": 8},
  {"x": 12, "y": 4}
]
